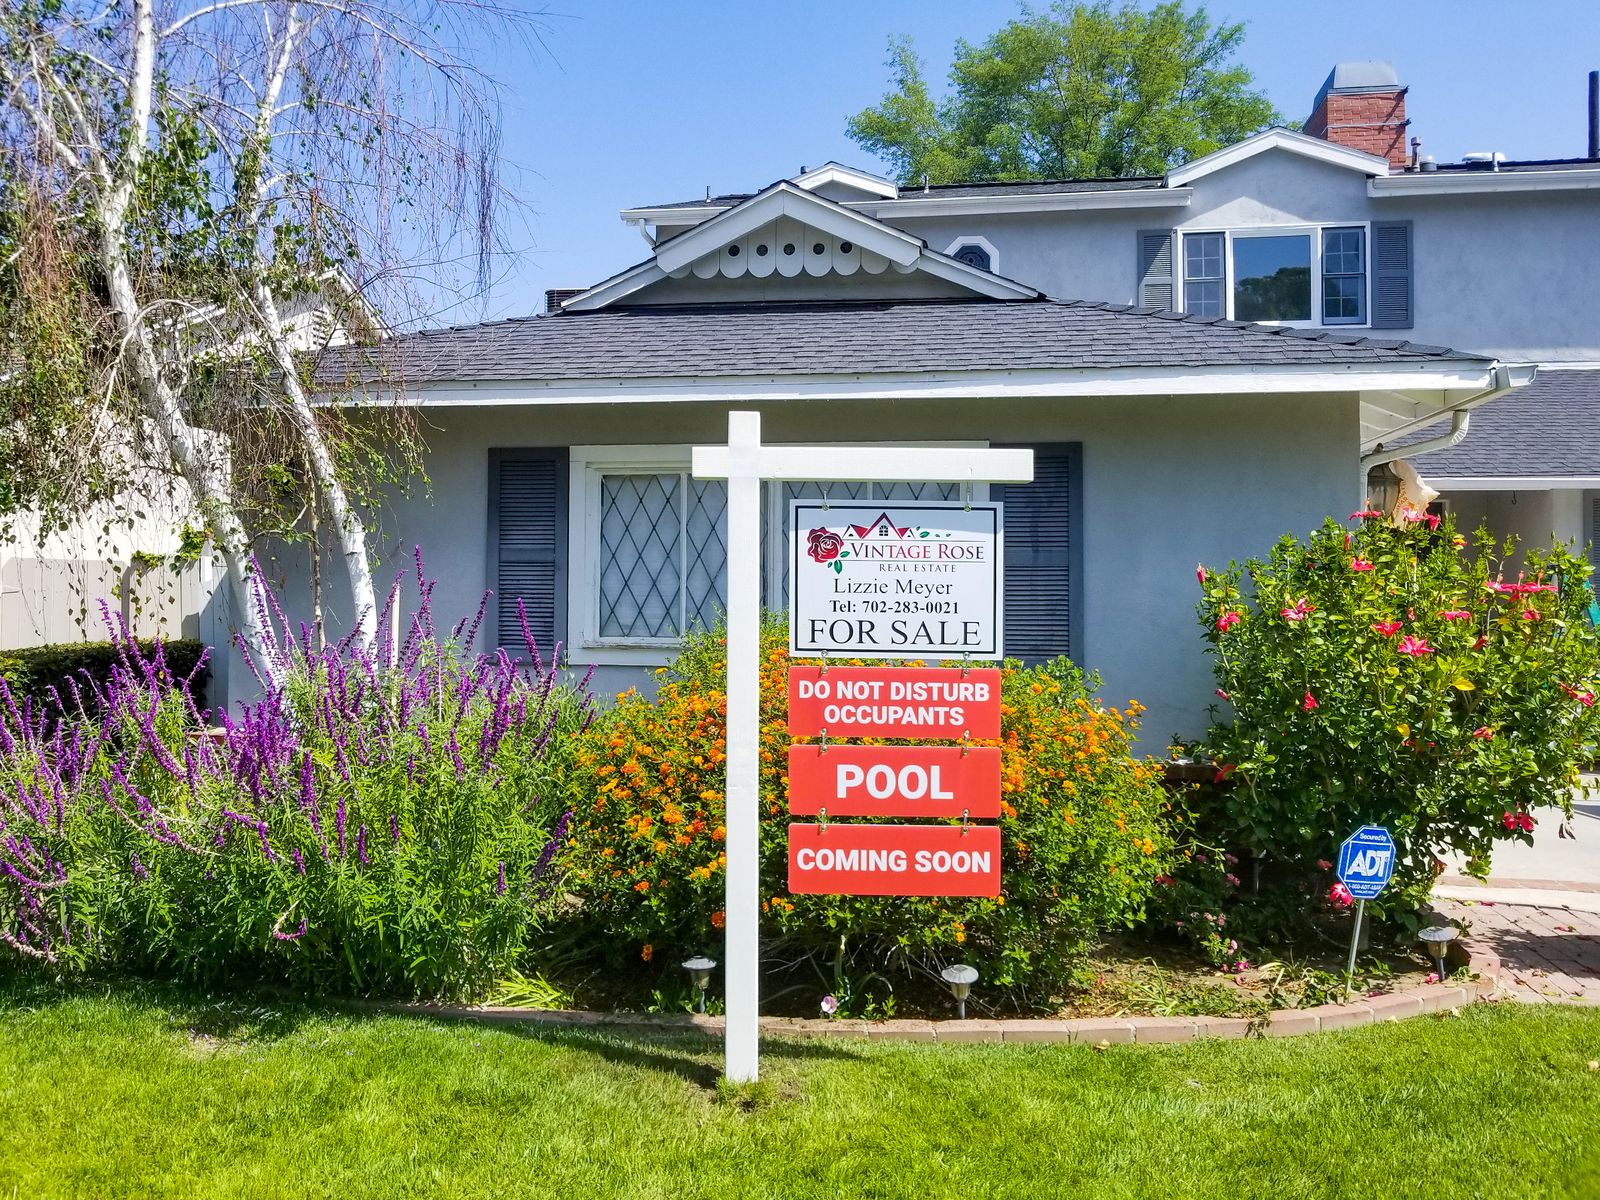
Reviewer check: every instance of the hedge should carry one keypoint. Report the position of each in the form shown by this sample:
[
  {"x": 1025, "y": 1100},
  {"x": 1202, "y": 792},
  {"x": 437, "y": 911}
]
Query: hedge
[{"x": 30, "y": 673}]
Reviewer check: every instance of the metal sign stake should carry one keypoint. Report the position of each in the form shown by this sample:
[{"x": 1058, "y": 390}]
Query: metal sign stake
[{"x": 1355, "y": 939}]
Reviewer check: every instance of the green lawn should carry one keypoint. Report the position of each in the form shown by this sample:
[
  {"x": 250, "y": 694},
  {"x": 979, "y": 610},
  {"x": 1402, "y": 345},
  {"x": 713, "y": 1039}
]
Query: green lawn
[{"x": 113, "y": 1095}]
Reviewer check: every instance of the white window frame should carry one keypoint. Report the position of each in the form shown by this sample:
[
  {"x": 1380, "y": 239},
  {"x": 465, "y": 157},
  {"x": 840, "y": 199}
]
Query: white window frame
[
  {"x": 588, "y": 465},
  {"x": 1315, "y": 233},
  {"x": 974, "y": 239}
]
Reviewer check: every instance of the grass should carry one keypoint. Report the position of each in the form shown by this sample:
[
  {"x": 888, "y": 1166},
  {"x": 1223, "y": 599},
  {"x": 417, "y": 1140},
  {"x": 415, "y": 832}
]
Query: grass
[{"x": 123, "y": 1094}]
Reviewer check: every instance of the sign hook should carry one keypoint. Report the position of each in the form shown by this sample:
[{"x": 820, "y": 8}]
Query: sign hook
[
  {"x": 965, "y": 823},
  {"x": 822, "y": 746},
  {"x": 822, "y": 820},
  {"x": 966, "y": 495},
  {"x": 966, "y": 742}
]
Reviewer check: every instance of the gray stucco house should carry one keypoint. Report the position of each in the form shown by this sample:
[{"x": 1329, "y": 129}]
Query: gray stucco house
[{"x": 1201, "y": 361}]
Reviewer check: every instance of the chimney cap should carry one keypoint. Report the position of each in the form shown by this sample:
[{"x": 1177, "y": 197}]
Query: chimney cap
[{"x": 1348, "y": 77}]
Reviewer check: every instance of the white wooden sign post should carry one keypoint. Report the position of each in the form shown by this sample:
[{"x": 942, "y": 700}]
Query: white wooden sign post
[{"x": 746, "y": 464}]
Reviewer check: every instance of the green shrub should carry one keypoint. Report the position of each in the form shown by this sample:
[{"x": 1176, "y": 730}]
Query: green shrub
[
  {"x": 363, "y": 829},
  {"x": 1390, "y": 675},
  {"x": 32, "y": 673},
  {"x": 1083, "y": 838}
]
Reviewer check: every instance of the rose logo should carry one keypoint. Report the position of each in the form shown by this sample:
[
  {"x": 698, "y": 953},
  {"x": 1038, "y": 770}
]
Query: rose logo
[{"x": 823, "y": 545}]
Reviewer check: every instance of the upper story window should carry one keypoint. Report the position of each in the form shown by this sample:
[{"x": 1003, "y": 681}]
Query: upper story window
[
  {"x": 1297, "y": 276},
  {"x": 975, "y": 251}
]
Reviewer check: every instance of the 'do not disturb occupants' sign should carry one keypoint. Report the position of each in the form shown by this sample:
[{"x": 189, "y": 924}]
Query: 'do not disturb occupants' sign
[{"x": 914, "y": 580}]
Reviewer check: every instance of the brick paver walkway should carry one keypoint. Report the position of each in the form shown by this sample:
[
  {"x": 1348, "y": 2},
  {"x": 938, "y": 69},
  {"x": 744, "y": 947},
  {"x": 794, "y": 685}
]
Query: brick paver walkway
[{"x": 1547, "y": 954}]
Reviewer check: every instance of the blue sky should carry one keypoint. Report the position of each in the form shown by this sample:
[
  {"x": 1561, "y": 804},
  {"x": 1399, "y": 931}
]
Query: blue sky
[{"x": 632, "y": 104}]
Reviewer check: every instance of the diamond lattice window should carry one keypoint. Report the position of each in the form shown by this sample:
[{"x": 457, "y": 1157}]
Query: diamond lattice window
[{"x": 662, "y": 555}]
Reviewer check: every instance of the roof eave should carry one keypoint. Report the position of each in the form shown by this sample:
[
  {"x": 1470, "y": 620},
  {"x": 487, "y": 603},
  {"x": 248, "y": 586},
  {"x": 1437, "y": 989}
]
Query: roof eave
[{"x": 1438, "y": 378}]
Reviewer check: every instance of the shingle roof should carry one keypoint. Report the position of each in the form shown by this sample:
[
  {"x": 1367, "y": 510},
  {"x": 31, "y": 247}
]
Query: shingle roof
[
  {"x": 857, "y": 337},
  {"x": 1550, "y": 427},
  {"x": 1529, "y": 164},
  {"x": 1027, "y": 188}
]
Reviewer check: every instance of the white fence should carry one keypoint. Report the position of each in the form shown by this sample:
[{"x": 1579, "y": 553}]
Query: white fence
[{"x": 44, "y": 601}]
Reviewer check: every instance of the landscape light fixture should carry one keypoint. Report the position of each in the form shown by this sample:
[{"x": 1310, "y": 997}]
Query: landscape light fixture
[
  {"x": 960, "y": 979},
  {"x": 1438, "y": 938},
  {"x": 700, "y": 968}
]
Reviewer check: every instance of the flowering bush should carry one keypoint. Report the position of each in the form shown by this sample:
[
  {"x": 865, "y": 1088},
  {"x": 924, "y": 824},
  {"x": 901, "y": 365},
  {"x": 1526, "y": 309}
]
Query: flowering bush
[
  {"x": 1082, "y": 835},
  {"x": 1389, "y": 674},
  {"x": 363, "y": 828}
]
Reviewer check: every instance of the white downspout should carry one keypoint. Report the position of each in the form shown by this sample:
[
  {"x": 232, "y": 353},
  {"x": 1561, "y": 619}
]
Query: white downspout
[{"x": 1460, "y": 422}]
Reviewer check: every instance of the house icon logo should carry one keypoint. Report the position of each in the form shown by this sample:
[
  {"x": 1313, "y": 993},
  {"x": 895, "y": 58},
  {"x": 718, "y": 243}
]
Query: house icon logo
[{"x": 881, "y": 527}]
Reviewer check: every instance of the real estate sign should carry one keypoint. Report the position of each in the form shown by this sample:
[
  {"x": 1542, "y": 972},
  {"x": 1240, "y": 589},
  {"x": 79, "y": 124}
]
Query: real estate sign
[{"x": 911, "y": 580}]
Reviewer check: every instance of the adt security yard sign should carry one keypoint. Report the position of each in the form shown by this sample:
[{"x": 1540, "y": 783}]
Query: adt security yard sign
[{"x": 1366, "y": 861}]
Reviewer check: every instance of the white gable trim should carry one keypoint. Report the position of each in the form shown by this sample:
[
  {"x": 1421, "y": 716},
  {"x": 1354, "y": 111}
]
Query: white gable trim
[
  {"x": 618, "y": 286},
  {"x": 1278, "y": 139},
  {"x": 832, "y": 172},
  {"x": 785, "y": 199}
]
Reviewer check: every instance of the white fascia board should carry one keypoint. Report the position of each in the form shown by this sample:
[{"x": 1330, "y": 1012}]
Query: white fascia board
[
  {"x": 958, "y": 206},
  {"x": 954, "y": 385},
  {"x": 985, "y": 283},
  {"x": 691, "y": 214},
  {"x": 1435, "y": 183},
  {"x": 602, "y": 294},
  {"x": 833, "y": 172},
  {"x": 786, "y": 200},
  {"x": 1039, "y": 202},
  {"x": 1279, "y": 139},
  {"x": 1512, "y": 483}
]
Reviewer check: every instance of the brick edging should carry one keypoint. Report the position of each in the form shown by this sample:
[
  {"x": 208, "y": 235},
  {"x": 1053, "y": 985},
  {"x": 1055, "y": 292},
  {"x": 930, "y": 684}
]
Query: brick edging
[{"x": 1392, "y": 1006}]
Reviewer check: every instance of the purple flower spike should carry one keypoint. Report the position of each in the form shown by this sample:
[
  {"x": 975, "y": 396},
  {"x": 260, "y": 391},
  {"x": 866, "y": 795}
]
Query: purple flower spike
[
  {"x": 394, "y": 828},
  {"x": 500, "y": 883},
  {"x": 281, "y": 936},
  {"x": 138, "y": 868}
]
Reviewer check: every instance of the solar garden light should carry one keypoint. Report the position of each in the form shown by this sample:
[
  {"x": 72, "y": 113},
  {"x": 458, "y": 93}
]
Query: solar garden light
[
  {"x": 960, "y": 979},
  {"x": 700, "y": 968},
  {"x": 1438, "y": 938}
]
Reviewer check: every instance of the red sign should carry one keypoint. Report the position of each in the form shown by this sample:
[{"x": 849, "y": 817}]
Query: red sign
[
  {"x": 894, "y": 781},
  {"x": 894, "y": 860},
  {"x": 895, "y": 702}
]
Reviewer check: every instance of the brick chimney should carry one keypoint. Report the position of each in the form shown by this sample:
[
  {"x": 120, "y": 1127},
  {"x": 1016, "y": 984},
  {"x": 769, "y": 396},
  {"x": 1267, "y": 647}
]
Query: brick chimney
[{"x": 1363, "y": 106}]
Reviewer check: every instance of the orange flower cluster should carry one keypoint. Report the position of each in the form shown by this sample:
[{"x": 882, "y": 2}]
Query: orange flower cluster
[{"x": 1084, "y": 830}]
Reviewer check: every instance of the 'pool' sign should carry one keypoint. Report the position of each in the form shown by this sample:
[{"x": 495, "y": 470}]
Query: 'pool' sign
[
  {"x": 1366, "y": 861},
  {"x": 894, "y": 860},
  {"x": 895, "y": 781}
]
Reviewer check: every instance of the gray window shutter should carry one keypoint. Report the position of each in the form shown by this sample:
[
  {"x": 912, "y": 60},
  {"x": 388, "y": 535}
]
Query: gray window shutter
[
  {"x": 1391, "y": 275},
  {"x": 1043, "y": 556},
  {"x": 1594, "y": 542},
  {"x": 1157, "y": 286},
  {"x": 528, "y": 548}
]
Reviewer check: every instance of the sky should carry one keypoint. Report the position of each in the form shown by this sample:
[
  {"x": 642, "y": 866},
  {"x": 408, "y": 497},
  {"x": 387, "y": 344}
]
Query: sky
[{"x": 629, "y": 104}]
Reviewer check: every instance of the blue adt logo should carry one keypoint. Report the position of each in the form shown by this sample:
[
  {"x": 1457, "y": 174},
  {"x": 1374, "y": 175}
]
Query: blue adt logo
[{"x": 1366, "y": 861}]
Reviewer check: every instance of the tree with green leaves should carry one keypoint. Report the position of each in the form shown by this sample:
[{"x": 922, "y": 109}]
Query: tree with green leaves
[
  {"x": 1076, "y": 91},
  {"x": 175, "y": 180}
]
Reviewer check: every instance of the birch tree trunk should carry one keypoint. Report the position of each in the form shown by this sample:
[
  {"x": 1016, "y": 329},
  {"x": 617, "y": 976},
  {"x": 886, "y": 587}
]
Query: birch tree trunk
[{"x": 194, "y": 461}]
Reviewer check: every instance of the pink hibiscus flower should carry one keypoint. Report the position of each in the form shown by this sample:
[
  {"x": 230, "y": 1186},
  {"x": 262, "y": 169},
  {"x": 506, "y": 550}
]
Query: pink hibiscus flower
[{"x": 1414, "y": 646}]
